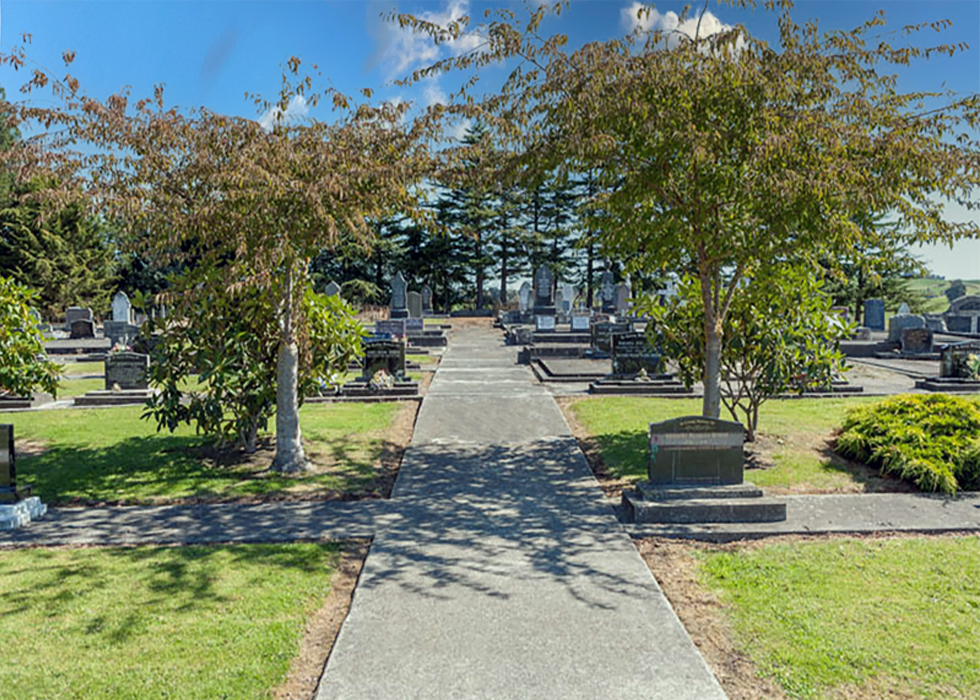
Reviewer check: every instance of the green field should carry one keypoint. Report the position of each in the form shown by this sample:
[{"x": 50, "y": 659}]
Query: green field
[
  {"x": 842, "y": 619},
  {"x": 194, "y": 623},
  {"x": 932, "y": 290},
  {"x": 111, "y": 455}
]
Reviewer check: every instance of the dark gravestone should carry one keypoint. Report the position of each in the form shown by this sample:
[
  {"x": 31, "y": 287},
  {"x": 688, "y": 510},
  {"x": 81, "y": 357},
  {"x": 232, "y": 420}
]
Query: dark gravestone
[
  {"x": 898, "y": 323},
  {"x": 426, "y": 299},
  {"x": 916, "y": 341},
  {"x": 399, "y": 297},
  {"x": 954, "y": 359},
  {"x": 696, "y": 451},
  {"x": 76, "y": 313},
  {"x": 82, "y": 328},
  {"x": 8, "y": 474},
  {"x": 608, "y": 293},
  {"x": 414, "y": 305},
  {"x": 874, "y": 314},
  {"x": 602, "y": 333},
  {"x": 544, "y": 300},
  {"x": 126, "y": 370},
  {"x": 394, "y": 328},
  {"x": 414, "y": 326},
  {"x": 120, "y": 332},
  {"x": 959, "y": 324},
  {"x": 632, "y": 352},
  {"x": 387, "y": 355}
]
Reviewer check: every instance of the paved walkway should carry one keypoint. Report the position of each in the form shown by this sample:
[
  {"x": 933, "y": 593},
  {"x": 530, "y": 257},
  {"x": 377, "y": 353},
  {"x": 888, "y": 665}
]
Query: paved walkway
[{"x": 503, "y": 573}]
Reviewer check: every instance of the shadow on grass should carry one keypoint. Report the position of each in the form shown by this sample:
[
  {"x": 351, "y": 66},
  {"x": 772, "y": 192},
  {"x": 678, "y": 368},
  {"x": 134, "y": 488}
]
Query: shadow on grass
[
  {"x": 870, "y": 479},
  {"x": 149, "y": 581},
  {"x": 166, "y": 468},
  {"x": 623, "y": 455}
]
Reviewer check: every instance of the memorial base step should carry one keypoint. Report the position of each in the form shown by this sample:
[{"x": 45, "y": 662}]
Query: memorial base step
[
  {"x": 108, "y": 397},
  {"x": 18, "y": 514},
  {"x": 647, "y": 388},
  {"x": 707, "y": 510},
  {"x": 951, "y": 385},
  {"x": 670, "y": 492}
]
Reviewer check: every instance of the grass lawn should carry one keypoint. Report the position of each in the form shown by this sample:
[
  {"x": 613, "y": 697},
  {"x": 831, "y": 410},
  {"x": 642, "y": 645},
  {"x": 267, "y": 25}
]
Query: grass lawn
[
  {"x": 792, "y": 444},
  {"x": 844, "y": 618},
  {"x": 932, "y": 289},
  {"x": 423, "y": 359},
  {"x": 157, "y": 622},
  {"x": 76, "y": 368},
  {"x": 111, "y": 455}
]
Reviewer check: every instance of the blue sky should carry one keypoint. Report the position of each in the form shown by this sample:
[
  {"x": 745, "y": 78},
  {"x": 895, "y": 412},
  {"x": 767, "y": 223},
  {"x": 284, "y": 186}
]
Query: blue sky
[{"x": 212, "y": 53}]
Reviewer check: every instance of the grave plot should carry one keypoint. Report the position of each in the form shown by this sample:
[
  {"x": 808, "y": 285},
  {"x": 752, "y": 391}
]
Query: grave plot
[{"x": 959, "y": 369}]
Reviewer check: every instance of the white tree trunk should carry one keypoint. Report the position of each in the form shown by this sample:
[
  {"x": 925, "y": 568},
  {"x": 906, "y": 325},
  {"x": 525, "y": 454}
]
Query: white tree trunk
[
  {"x": 711, "y": 406},
  {"x": 290, "y": 456}
]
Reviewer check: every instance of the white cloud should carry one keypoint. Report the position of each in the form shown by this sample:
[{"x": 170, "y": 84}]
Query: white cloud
[
  {"x": 295, "y": 110},
  {"x": 433, "y": 94},
  {"x": 458, "y": 130},
  {"x": 670, "y": 23},
  {"x": 399, "y": 51}
]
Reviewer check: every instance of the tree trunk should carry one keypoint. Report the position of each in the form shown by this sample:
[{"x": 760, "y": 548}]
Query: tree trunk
[
  {"x": 504, "y": 272},
  {"x": 479, "y": 271},
  {"x": 290, "y": 456},
  {"x": 588, "y": 275},
  {"x": 711, "y": 406},
  {"x": 250, "y": 437}
]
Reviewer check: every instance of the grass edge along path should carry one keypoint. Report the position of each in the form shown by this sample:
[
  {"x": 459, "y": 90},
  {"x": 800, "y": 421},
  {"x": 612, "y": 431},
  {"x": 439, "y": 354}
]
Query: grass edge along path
[
  {"x": 830, "y": 617},
  {"x": 202, "y": 621},
  {"x": 111, "y": 456}
]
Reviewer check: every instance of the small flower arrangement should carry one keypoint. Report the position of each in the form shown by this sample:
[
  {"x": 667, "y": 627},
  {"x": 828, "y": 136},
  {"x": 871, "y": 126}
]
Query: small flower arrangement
[
  {"x": 118, "y": 347},
  {"x": 381, "y": 381},
  {"x": 642, "y": 375}
]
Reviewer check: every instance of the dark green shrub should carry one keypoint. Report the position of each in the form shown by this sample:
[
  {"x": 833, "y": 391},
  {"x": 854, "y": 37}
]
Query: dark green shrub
[{"x": 932, "y": 441}]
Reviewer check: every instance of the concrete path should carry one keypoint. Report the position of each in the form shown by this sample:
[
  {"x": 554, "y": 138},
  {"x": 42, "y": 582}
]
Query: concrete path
[{"x": 503, "y": 573}]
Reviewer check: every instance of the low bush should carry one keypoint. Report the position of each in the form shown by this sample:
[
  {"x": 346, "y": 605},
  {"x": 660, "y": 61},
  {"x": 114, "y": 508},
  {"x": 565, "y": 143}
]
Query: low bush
[{"x": 932, "y": 441}]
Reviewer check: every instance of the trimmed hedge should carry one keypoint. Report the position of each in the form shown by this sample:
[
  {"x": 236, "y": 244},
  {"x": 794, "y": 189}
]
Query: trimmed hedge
[{"x": 932, "y": 440}]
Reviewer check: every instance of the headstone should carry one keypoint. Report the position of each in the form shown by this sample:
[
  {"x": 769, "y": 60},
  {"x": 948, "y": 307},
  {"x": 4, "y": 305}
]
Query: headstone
[
  {"x": 120, "y": 332},
  {"x": 126, "y": 370},
  {"x": 874, "y": 314},
  {"x": 414, "y": 327},
  {"x": 332, "y": 289},
  {"x": 414, "y": 305},
  {"x": 896, "y": 324},
  {"x": 954, "y": 359},
  {"x": 632, "y": 352},
  {"x": 544, "y": 324},
  {"x": 399, "y": 297},
  {"x": 81, "y": 328},
  {"x": 622, "y": 299},
  {"x": 394, "y": 327},
  {"x": 904, "y": 309},
  {"x": 524, "y": 297},
  {"x": 696, "y": 451},
  {"x": 862, "y": 333},
  {"x": 544, "y": 283},
  {"x": 580, "y": 320},
  {"x": 122, "y": 309},
  {"x": 388, "y": 355},
  {"x": 567, "y": 298},
  {"x": 76, "y": 313},
  {"x": 426, "y": 300},
  {"x": 935, "y": 322},
  {"x": 916, "y": 341},
  {"x": 608, "y": 292},
  {"x": 964, "y": 315},
  {"x": 8, "y": 473},
  {"x": 602, "y": 334}
]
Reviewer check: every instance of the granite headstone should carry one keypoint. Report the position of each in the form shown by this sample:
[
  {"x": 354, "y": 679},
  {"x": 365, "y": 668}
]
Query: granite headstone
[{"x": 696, "y": 451}]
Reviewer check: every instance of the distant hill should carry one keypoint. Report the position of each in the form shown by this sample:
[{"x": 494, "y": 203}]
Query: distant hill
[{"x": 933, "y": 291}]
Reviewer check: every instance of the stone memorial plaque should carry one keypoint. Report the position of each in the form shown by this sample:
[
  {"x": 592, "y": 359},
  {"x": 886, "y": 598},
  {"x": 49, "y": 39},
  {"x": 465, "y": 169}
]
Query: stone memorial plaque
[
  {"x": 631, "y": 352},
  {"x": 916, "y": 341},
  {"x": 387, "y": 355},
  {"x": 414, "y": 326},
  {"x": 544, "y": 323},
  {"x": 126, "y": 370},
  {"x": 696, "y": 451},
  {"x": 580, "y": 321},
  {"x": 82, "y": 328},
  {"x": 394, "y": 328},
  {"x": 959, "y": 324},
  {"x": 414, "y": 305},
  {"x": 122, "y": 309},
  {"x": 524, "y": 297},
  {"x": 874, "y": 314},
  {"x": 896, "y": 324},
  {"x": 964, "y": 315},
  {"x": 332, "y": 289},
  {"x": 426, "y": 299},
  {"x": 602, "y": 333},
  {"x": 76, "y": 313},
  {"x": 399, "y": 297}
]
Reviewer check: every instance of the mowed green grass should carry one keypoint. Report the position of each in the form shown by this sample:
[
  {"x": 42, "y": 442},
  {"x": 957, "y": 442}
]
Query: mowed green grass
[
  {"x": 894, "y": 618},
  {"x": 793, "y": 436},
  {"x": 111, "y": 455},
  {"x": 197, "y": 622},
  {"x": 933, "y": 290}
]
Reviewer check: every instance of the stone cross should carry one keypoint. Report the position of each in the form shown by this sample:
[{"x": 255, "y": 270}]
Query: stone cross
[{"x": 399, "y": 297}]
